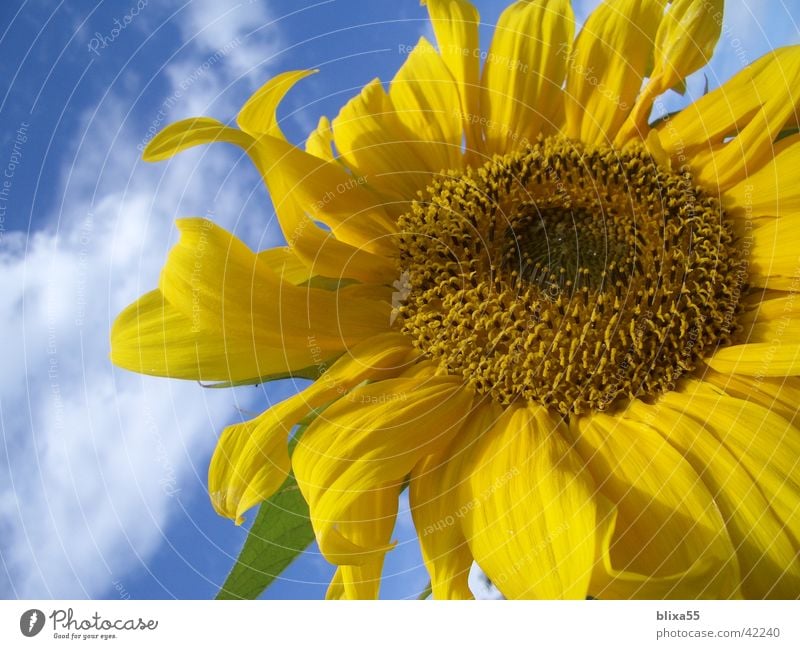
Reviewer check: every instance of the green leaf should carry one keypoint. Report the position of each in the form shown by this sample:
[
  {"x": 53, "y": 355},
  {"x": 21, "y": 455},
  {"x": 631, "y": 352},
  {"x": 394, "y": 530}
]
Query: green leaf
[
  {"x": 425, "y": 594},
  {"x": 280, "y": 532}
]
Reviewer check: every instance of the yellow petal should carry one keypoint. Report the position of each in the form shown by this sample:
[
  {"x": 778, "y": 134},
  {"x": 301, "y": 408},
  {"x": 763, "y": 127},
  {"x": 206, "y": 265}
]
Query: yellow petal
[
  {"x": 765, "y": 551},
  {"x": 336, "y": 587},
  {"x": 285, "y": 264},
  {"x": 685, "y": 40},
  {"x": 752, "y": 109},
  {"x": 213, "y": 276},
  {"x": 532, "y": 528},
  {"x": 773, "y": 190},
  {"x": 606, "y": 67},
  {"x": 151, "y": 336},
  {"x": 258, "y": 115},
  {"x": 781, "y": 394},
  {"x": 322, "y": 189},
  {"x": 321, "y": 251},
  {"x": 426, "y": 99},
  {"x": 378, "y": 147},
  {"x": 524, "y": 72},
  {"x": 438, "y": 507},
  {"x": 326, "y": 191},
  {"x": 251, "y": 459},
  {"x": 370, "y": 522},
  {"x": 611, "y": 583},
  {"x": 369, "y": 440},
  {"x": 455, "y": 24},
  {"x": 765, "y": 443},
  {"x": 773, "y": 316},
  {"x": 772, "y": 252},
  {"x": 668, "y": 538},
  {"x": 371, "y": 292},
  {"x": 330, "y": 195},
  {"x": 773, "y": 358},
  {"x": 320, "y": 140},
  {"x": 770, "y": 340},
  {"x": 331, "y": 257},
  {"x": 192, "y": 132},
  {"x": 444, "y": 548},
  {"x": 684, "y": 43}
]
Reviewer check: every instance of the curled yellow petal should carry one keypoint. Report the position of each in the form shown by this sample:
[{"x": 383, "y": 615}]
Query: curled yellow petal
[
  {"x": 251, "y": 458},
  {"x": 258, "y": 115},
  {"x": 370, "y": 522},
  {"x": 192, "y": 132},
  {"x": 154, "y": 337},
  {"x": 764, "y": 549},
  {"x": 227, "y": 288},
  {"x": 371, "y": 440},
  {"x": 666, "y": 537},
  {"x": 730, "y": 133},
  {"x": 532, "y": 526},
  {"x": 439, "y": 504},
  {"x": 684, "y": 43}
]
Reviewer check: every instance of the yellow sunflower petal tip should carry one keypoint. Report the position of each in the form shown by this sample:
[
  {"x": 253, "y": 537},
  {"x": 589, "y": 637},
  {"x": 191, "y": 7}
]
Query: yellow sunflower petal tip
[{"x": 189, "y": 133}]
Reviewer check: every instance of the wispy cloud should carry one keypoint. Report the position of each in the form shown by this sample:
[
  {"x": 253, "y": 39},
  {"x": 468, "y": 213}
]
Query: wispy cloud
[
  {"x": 211, "y": 25},
  {"x": 94, "y": 460}
]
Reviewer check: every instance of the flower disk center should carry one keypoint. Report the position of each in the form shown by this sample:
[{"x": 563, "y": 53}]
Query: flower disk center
[{"x": 569, "y": 276}]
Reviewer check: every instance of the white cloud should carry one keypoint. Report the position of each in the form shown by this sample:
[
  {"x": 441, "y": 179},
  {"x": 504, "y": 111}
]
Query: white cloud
[
  {"x": 93, "y": 459},
  {"x": 247, "y": 26},
  {"x": 91, "y": 454}
]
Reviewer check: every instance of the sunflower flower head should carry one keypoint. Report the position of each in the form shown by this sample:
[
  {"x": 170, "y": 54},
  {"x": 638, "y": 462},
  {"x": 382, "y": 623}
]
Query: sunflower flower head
[
  {"x": 518, "y": 287},
  {"x": 564, "y": 329}
]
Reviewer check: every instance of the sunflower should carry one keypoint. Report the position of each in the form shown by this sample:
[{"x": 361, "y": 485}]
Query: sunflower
[{"x": 568, "y": 331}]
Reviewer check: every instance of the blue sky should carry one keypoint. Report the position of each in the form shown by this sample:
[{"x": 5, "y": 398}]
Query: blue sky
[{"x": 102, "y": 472}]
